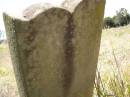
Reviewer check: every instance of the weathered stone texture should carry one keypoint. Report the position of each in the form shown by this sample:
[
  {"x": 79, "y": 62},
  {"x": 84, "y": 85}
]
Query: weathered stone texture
[{"x": 55, "y": 52}]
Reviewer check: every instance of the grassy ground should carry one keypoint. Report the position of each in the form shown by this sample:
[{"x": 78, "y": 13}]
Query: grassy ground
[
  {"x": 8, "y": 86},
  {"x": 113, "y": 78},
  {"x": 115, "y": 42},
  {"x": 113, "y": 66},
  {"x": 115, "y": 49}
]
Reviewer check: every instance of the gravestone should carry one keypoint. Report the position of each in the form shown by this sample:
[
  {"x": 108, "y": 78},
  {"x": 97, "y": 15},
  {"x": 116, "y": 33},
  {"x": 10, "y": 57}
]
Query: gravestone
[{"x": 54, "y": 50}]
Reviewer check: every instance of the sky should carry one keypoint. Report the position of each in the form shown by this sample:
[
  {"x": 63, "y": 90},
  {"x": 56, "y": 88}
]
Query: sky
[{"x": 16, "y": 6}]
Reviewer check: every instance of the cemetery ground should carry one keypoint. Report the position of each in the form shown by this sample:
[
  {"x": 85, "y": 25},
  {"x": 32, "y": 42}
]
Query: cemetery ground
[{"x": 113, "y": 76}]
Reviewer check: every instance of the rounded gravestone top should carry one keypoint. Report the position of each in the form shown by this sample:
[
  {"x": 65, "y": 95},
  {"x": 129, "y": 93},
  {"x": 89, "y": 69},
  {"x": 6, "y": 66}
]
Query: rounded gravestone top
[{"x": 35, "y": 9}]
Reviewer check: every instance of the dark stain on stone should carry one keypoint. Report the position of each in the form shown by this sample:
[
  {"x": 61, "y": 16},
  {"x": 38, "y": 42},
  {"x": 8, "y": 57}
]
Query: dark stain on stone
[
  {"x": 29, "y": 39},
  {"x": 68, "y": 72},
  {"x": 31, "y": 33}
]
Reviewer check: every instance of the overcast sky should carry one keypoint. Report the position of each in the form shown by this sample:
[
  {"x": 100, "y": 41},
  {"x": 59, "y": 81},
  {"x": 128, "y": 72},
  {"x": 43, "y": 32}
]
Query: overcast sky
[{"x": 16, "y": 6}]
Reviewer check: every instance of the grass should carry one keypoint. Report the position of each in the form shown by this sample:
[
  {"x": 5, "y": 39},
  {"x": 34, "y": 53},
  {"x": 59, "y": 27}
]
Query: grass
[
  {"x": 8, "y": 86},
  {"x": 113, "y": 78}
]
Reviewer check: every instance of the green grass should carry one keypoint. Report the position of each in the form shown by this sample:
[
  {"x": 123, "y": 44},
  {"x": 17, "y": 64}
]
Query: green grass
[
  {"x": 3, "y": 71},
  {"x": 2, "y": 49}
]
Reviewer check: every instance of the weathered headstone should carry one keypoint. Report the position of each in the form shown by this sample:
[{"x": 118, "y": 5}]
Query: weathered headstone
[{"x": 55, "y": 50}]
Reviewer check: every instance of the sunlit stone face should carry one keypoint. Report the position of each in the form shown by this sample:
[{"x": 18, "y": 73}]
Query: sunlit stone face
[{"x": 55, "y": 50}]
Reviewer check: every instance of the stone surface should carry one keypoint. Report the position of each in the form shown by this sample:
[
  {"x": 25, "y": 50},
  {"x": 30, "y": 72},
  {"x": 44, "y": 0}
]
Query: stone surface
[{"x": 55, "y": 52}]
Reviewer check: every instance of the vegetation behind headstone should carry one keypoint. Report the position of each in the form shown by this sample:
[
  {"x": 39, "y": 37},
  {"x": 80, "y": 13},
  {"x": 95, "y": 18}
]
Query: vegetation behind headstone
[{"x": 121, "y": 18}]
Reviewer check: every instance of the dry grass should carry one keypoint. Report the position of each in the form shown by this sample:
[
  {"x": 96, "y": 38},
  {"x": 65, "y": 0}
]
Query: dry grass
[
  {"x": 112, "y": 74},
  {"x": 8, "y": 86},
  {"x": 113, "y": 66}
]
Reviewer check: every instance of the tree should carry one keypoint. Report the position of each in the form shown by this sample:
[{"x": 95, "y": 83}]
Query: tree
[
  {"x": 121, "y": 18},
  {"x": 108, "y": 22}
]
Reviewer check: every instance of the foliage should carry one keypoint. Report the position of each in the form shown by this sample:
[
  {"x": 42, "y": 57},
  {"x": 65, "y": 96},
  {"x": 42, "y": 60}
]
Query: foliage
[
  {"x": 108, "y": 22},
  {"x": 121, "y": 18}
]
